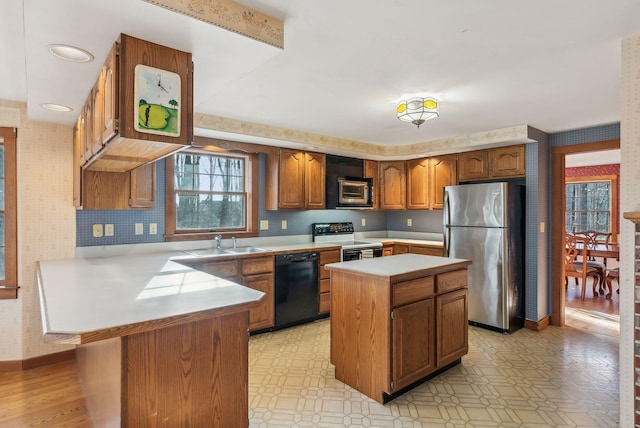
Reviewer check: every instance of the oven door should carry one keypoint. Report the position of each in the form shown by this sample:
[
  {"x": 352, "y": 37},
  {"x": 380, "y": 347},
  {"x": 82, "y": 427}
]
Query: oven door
[{"x": 349, "y": 254}]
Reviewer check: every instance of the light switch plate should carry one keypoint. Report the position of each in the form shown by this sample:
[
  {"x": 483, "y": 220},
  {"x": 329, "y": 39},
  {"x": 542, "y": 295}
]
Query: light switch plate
[
  {"x": 139, "y": 229},
  {"x": 153, "y": 228},
  {"x": 108, "y": 229},
  {"x": 363, "y": 222},
  {"x": 409, "y": 222},
  {"x": 264, "y": 224},
  {"x": 97, "y": 230},
  {"x": 284, "y": 224}
]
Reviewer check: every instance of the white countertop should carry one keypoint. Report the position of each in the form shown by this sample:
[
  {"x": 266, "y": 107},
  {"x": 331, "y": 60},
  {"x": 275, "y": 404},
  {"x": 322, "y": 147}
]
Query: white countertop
[
  {"x": 401, "y": 264},
  {"x": 86, "y": 295}
]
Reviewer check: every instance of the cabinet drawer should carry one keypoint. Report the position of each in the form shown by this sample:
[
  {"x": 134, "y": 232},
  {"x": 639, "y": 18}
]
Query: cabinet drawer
[
  {"x": 324, "y": 286},
  {"x": 412, "y": 291},
  {"x": 451, "y": 280},
  {"x": 427, "y": 251},
  {"x": 257, "y": 265},
  {"x": 222, "y": 269},
  {"x": 332, "y": 256},
  {"x": 325, "y": 303}
]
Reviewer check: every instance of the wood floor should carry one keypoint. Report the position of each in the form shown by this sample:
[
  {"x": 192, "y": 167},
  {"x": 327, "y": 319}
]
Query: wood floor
[{"x": 49, "y": 396}]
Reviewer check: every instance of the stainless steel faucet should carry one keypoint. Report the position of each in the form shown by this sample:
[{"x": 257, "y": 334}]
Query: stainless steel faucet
[{"x": 218, "y": 241}]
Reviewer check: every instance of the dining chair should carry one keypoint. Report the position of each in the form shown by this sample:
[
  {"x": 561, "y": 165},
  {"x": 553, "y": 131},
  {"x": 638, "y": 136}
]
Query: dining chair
[
  {"x": 612, "y": 275},
  {"x": 592, "y": 239},
  {"x": 576, "y": 266}
]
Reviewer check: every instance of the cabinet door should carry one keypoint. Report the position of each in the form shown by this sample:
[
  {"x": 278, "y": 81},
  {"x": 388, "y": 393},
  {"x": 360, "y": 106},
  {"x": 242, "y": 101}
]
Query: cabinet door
[
  {"x": 393, "y": 185},
  {"x": 315, "y": 179},
  {"x": 473, "y": 165},
  {"x": 371, "y": 171},
  {"x": 291, "y": 179},
  {"x": 78, "y": 157},
  {"x": 97, "y": 97},
  {"x": 427, "y": 251},
  {"x": 418, "y": 184},
  {"x": 387, "y": 250},
  {"x": 442, "y": 172},
  {"x": 143, "y": 186},
  {"x": 507, "y": 161},
  {"x": 87, "y": 113},
  {"x": 452, "y": 326},
  {"x": 400, "y": 249},
  {"x": 110, "y": 96},
  {"x": 263, "y": 315},
  {"x": 413, "y": 354}
]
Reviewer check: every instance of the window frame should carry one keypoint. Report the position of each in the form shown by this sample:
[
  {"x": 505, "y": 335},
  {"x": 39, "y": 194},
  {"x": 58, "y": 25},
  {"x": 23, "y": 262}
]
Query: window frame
[
  {"x": 9, "y": 285},
  {"x": 251, "y": 188},
  {"x": 613, "y": 203}
]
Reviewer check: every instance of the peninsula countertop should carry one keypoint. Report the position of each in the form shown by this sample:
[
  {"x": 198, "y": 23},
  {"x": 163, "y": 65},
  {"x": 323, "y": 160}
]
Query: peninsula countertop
[
  {"x": 401, "y": 266},
  {"x": 85, "y": 300}
]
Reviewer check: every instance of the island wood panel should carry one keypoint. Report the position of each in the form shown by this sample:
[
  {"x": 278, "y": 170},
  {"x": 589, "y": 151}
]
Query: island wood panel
[
  {"x": 189, "y": 375},
  {"x": 361, "y": 326},
  {"x": 414, "y": 355},
  {"x": 452, "y": 332}
]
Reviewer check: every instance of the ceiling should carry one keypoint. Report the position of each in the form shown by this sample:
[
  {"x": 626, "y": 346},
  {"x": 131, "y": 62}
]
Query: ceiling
[{"x": 493, "y": 64}]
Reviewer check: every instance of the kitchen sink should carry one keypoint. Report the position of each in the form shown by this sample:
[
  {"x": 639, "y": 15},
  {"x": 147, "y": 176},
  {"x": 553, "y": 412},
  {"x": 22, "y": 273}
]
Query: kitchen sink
[
  {"x": 244, "y": 250},
  {"x": 207, "y": 252}
]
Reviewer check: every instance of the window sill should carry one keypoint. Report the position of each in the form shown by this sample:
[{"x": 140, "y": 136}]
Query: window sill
[{"x": 9, "y": 292}]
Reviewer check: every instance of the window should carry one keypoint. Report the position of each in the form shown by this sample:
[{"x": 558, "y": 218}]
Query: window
[
  {"x": 8, "y": 215},
  {"x": 210, "y": 192},
  {"x": 591, "y": 204}
]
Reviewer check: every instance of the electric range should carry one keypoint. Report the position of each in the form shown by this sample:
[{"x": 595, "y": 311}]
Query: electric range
[{"x": 343, "y": 234}]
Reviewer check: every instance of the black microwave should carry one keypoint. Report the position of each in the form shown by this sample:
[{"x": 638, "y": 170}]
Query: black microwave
[{"x": 355, "y": 193}]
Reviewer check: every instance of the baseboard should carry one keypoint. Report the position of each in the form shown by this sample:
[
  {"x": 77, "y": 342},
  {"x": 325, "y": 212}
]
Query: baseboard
[
  {"x": 537, "y": 325},
  {"x": 32, "y": 363}
]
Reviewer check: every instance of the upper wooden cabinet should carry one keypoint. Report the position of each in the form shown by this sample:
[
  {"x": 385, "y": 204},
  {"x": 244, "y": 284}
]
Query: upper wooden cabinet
[
  {"x": 118, "y": 136},
  {"x": 119, "y": 191},
  {"x": 393, "y": 185},
  {"x": 295, "y": 180},
  {"x": 426, "y": 179},
  {"x": 371, "y": 171},
  {"x": 502, "y": 162}
]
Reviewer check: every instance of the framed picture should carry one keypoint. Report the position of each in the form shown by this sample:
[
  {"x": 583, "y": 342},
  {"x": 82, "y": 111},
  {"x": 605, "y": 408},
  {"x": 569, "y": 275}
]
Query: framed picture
[{"x": 157, "y": 101}]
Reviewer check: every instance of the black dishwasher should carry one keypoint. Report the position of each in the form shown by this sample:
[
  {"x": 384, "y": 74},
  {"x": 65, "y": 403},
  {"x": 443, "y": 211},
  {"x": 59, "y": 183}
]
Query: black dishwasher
[{"x": 296, "y": 288}]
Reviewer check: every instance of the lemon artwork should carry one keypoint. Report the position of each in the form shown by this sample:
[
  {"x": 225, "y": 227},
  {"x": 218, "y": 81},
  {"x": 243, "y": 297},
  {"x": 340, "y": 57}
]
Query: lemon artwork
[{"x": 153, "y": 116}]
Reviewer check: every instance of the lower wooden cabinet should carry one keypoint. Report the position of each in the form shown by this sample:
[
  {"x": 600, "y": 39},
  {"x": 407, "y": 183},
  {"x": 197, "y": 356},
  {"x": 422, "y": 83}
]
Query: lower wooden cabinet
[
  {"x": 414, "y": 345},
  {"x": 262, "y": 316},
  {"x": 414, "y": 249},
  {"x": 452, "y": 320}
]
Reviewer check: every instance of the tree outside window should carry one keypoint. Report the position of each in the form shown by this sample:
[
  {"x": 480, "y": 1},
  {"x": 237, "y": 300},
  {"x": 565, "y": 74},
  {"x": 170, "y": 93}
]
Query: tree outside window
[{"x": 591, "y": 204}]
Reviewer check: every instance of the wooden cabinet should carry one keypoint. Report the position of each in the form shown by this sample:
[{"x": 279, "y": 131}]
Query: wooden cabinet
[
  {"x": 418, "y": 184},
  {"x": 387, "y": 249},
  {"x": 416, "y": 323},
  {"x": 400, "y": 249},
  {"x": 255, "y": 272},
  {"x": 119, "y": 191},
  {"x": 324, "y": 288},
  {"x": 426, "y": 179},
  {"x": 501, "y": 162},
  {"x": 393, "y": 185},
  {"x": 371, "y": 171},
  {"x": 115, "y": 142},
  {"x": 427, "y": 250},
  {"x": 295, "y": 180},
  {"x": 413, "y": 347},
  {"x": 451, "y": 316}
]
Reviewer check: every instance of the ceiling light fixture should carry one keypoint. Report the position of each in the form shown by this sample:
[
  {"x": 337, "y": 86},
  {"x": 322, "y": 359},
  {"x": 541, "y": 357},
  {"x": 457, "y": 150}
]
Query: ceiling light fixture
[
  {"x": 418, "y": 110},
  {"x": 70, "y": 53},
  {"x": 56, "y": 107}
]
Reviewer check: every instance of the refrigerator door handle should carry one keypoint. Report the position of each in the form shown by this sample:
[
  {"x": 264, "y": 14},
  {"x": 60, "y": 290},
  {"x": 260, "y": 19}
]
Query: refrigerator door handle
[{"x": 447, "y": 222}]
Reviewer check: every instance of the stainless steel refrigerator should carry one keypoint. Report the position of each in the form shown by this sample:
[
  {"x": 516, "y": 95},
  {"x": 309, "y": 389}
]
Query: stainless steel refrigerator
[{"x": 485, "y": 224}]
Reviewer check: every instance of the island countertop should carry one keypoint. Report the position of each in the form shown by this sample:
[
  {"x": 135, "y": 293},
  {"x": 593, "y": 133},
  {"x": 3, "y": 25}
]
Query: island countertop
[
  {"x": 86, "y": 300},
  {"x": 400, "y": 267}
]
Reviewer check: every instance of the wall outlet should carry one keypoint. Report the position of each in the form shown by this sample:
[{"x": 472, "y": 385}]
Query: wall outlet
[
  {"x": 108, "y": 229},
  {"x": 264, "y": 224},
  {"x": 97, "y": 230},
  {"x": 363, "y": 222},
  {"x": 542, "y": 227},
  {"x": 153, "y": 228},
  {"x": 409, "y": 222},
  {"x": 284, "y": 224},
  {"x": 139, "y": 229}
]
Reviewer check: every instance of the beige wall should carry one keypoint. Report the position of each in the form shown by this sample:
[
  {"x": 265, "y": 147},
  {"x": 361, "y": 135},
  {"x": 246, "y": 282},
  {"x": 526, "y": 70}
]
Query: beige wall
[
  {"x": 46, "y": 224},
  {"x": 629, "y": 201}
]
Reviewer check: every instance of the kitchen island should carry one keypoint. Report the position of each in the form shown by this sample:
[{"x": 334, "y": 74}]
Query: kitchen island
[
  {"x": 397, "y": 321},
  {"x": 158, "y": 343}
]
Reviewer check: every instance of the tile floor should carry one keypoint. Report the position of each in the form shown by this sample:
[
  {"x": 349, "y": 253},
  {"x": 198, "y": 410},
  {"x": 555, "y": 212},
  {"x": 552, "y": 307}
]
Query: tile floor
[{"x": 560, "y": 377}]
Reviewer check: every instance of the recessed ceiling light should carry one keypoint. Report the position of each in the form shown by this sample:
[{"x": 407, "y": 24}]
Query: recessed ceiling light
[
  {"x": 70, "y": 53},
  {"x": 56, "y": 107}
]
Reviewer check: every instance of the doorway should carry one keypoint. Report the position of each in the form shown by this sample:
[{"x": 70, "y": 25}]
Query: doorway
[{"x": 558, "y": 165}]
